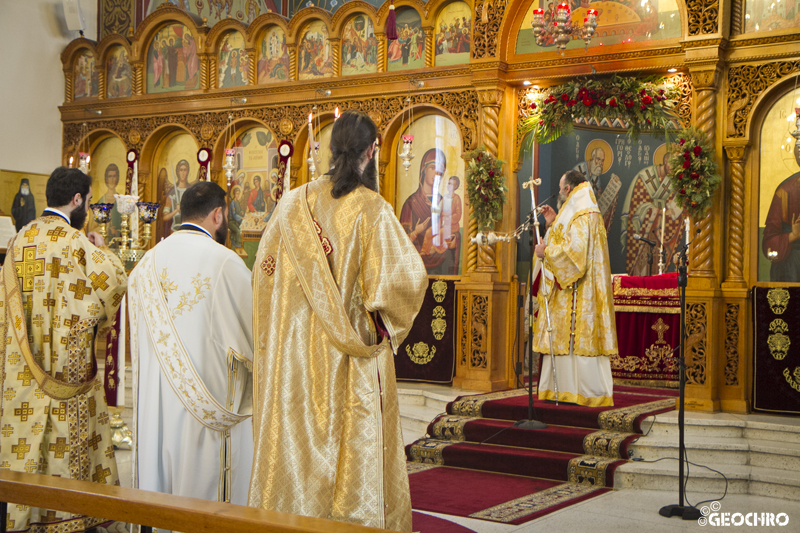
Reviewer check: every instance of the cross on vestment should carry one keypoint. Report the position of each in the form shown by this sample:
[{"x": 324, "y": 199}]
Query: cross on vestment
[
  {"x": 23, "y": 412},
  {"x": 8, "y": 430},
  {"x": 31, "y": 466},
  {"x": 650, "y": 178},
  {"x": 49, "y": 517},
  {"x": 79, "y": 289},
  {"x": 56, "y": 268},
  {"x": 37, "y": 428},
  {"x": 59, "y": 448},
  {"x": 30, "y": 268},
  {"x": 660, "y": 327},
  {"x": 99, "y": 281},
  {"x": 21, "y": 448},
  {"x": 25, "y": 376},
  {"x": 49, "y": 302},
  {"x": 100, "y": 474},
  {"x": 60, "y": 412},
  {"x": 38, "y": 321},
  {"x": 56, "y": 233},
  {"x": 94, "y": 441},
  {"x": 31, "y": 233}
]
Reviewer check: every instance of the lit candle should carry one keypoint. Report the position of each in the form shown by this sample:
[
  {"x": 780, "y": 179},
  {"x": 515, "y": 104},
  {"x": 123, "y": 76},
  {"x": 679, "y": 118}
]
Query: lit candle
[
  {"x": 663, "y": 223},
  {"x": 687, "y": 231},
  {"x": 336, "y": 113},
  {"x": 310, "y": 134},
  {"x": 71, "y": 159}
]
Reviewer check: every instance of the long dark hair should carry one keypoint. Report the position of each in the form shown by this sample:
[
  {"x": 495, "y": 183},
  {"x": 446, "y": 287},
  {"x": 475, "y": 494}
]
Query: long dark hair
[{"x": 353, "y": 133}]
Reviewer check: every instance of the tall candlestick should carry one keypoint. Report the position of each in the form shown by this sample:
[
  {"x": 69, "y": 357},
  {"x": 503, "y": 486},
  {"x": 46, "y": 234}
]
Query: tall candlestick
[
  {"x": 661, "y": 251},
  {"x": 687, "y": 231},
  {"x": 311, "y": 167}
]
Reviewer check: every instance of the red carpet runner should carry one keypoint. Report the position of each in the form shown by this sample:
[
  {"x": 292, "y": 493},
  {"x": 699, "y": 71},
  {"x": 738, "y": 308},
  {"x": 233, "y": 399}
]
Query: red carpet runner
[{"x": 519, "y": 475}]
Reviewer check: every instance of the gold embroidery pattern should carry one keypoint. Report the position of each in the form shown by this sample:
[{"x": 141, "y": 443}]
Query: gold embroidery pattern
[
  {"x": 511, "y": 510},
  {"x": 471, "y": 405},
  {"x": 658, "y": 357},
  {"x": 166, "y": 284},
  {"x": 450, "y": 427},
  {"x": 422, "y": 353},
  {"x": 268, "y": 265},
  {"x": 557, "y": 237},
  {"x": 778, "y": 342},
  {"x": 439, "y": 290},
  {"x": 622, "y": 419},
  {"x": 619, "y": 290},
  {"x": 605, "y": 444},
  {"x": 428, "y": 451},
  {"x": 188, "y": 301},
  {"x": 589, "y": 470},
  {"x": 778, "y": 299},
  {"x": 413, "y": 468},
  {"x": 793, "y": 379},
  {"x": 439, "y": 324}
]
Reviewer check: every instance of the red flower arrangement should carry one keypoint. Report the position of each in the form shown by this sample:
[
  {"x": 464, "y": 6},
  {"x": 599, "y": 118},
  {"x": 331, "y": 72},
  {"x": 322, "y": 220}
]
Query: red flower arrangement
[
  {"x": 693, "y": 172},
  {"x": 486, "y": 187}
]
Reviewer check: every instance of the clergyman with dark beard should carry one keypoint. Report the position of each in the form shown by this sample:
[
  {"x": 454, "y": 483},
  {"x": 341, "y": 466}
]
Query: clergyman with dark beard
[{"x": 336, "y": 286}]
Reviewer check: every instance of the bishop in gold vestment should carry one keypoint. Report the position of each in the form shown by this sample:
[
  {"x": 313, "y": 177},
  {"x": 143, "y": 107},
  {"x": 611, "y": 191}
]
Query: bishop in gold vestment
[
  {"x": 576, "y": 281},
  {"x": 58, "y": 293},
  {"x": 329, "y": 273}
]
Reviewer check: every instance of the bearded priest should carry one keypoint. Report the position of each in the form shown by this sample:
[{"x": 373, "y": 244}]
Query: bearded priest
[
  {"x": 337, "y": 285},
  {"x": 191, "y": 314},
  {"x": 59, "y": 292},
  {"x": 576, "y": 281}
]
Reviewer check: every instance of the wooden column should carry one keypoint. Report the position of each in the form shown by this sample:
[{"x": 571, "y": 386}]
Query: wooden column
[
  {"x": 138, "y": 77},
  {"x": 381, "y": 38}
]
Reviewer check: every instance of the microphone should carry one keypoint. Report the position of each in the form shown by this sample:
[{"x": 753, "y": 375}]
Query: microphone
[{"x": 638, "y": 237}]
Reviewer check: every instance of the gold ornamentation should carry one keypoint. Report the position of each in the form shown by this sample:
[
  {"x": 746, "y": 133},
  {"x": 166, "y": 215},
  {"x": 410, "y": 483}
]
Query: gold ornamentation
[
  {"x": 703, "y": 16},
  {"x": 413, "y": 468},
  {"x": 285, "y": 126},
  {"x": 732, "y": 344},
  {"x": 206, "y": 131},
  {"x": 450, "y": 427},
  {"x": 189, "y": 300},
  {"x": 557, "y": 236},
  {"x": 736, "y": 217},
  {"x": 439, "y": 324},
  {"x": 117, "y": 16},
  {"x": 778, "y": 299},
  {"x": 793, "y": 379},
  {"x": 134, "y": 137},
  {"x": 605, "y": 443},
  {"x": 268, "y": 265},
  {"x": 464, "y": 338},
  {"x": 589, "y": 470},
  {"x": 480, "y": 316},
  {"x": 471, "y": 405},
  {"x": 623, "y": 419},
  {"x": 376, "y": 118},
  {"x": 485, "y": 34},
  {"x": 428, "y": 451},
  {"x": 745, "y": 85},
  {"x": 439, "y": 290},
  {"x": 422, "y": 353},
  {"x": 778, "y": 342},
  {"x": 696, "y": 331},
  {"x": 538, "y": 501}
]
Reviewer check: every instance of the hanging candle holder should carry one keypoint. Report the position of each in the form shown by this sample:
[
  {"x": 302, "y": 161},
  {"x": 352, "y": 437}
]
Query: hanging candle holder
[
  {"x": 538, "y": 26},
  {"x": 589, "y": 26},
  {"x": 563, "y": 26},
  {"x": 83, "y": 162},
  {"x": 407, "y": 155},
  {"x": 229, "y": 165}
]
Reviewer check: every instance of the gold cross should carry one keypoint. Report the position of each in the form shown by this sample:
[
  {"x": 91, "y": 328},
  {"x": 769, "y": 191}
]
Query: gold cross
[
  {"x": 92, "y": 402},
  {"x": 110, "y": 452},
  {"x": 660, "y": 327},
  {"x": 100, "y": 474},
  {"x": 49, "y": 302},
  {"x": 71, "y": 321},
  {"x": 56, "y": 268},
  {"x": 59, "y": 448},
  {"x": 56, "y": 233},
  {"x": 31, "y": 466},
  {"x": 9, "y": 394},
  {"x": 81, "y": 255},
  {"x": 25, "y": 376},
  {"x": 23, "y": 412},
  {"x": 117, "y": 299},
  {"x": 98, "y": 256},
  {"x": 94, "y": 441},
  {"x": 37, "y": 428},
  {"x": 38, "y": 321},
  {"x": 79, "y": 289},
  {"x": 8, "y": 430},
  {"x": 99, "y": 280},
  {"x": 39, "y": 393},
  {"x": 30, "y": 268},
  {"x": 60, "y": 412},
  {"x": 21, "y": 449},
  {"x": 10, "y": 523},
  {"x": 49, "y": 517},
  {"x": 32, "y": 233}
]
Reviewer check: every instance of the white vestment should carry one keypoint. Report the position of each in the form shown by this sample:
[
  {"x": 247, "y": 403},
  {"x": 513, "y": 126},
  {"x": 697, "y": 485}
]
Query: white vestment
[{"x": 191, "y": 354}]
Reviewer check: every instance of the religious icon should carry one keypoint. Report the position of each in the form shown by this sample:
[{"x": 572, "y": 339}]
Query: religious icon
[
  {"x": 453, "y": 34},
  {"x": 235, "y": 219},
  {"x": 178, "y": 170},
  {"x": 24, "y": 207},
  {"x": 233, "y": 68},
  {"x": 108, "y": 178},
  {"x": 118, "y": 73},
  {"x": 432, "y": 208},
  {"x": 86, "y": 80},
  {"x": 359, "y": 47},
  {"x": 763, "y": 15},
  {"x": 172, "y": 61},
  {"x": 314, "y": 52},
  {"x": 599, "y": 158},
  {"x": 408, "y": 51},
  {"x": 273, "y": 59}
]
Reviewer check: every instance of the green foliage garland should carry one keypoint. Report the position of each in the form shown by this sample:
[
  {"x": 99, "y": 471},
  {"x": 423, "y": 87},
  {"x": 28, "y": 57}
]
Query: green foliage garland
[
  {"x": 643, "y": 105},
  {"x": 486, "y": 188},
  {"x": 693, "y": 172}
]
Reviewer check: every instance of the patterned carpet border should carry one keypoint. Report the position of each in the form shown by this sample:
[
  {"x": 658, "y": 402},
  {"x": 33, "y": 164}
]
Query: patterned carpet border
[
  {"x": 471, "y": 405},
  {"x": 624, "y": 420},
  {"x": 537, "y": 502}
]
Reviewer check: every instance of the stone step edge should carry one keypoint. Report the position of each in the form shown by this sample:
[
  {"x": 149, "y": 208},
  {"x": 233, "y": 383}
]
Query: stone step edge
[
  {"x": 737, "y": 444},
  {"x": 427, "y": 395},
  {"x": 671, "y": 419},
  {"x": 732, "y": 472}
]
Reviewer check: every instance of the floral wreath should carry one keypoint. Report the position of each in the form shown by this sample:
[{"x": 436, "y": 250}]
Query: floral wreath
[
  {"x": 693, "y": 172},
  {"x": 642, "y": 105},
  {"x": 486, "y": 187}
]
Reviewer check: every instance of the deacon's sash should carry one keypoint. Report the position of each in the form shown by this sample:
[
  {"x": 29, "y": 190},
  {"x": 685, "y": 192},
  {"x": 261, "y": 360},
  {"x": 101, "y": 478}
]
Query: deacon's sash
[
  {"x": 311, "y": 266},
  {"x": 581, "y": 201},
  {"x": 172, "y": 356},
  {"x": 15, "y": 318}
]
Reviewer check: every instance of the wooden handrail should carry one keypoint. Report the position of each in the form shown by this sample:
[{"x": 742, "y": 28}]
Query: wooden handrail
[{"x": 177, "y": 513}]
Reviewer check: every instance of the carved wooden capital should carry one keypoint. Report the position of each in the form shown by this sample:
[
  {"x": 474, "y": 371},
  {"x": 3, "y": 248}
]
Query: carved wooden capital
[
  {"x": 490, "y": 97},
  {"x": 737, "y": 153},
  {"x": 705, "y": 78}
]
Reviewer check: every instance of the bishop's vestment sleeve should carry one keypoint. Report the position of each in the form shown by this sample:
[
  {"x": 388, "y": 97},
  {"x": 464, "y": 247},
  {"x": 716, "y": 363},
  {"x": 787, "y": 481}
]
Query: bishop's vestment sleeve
[
  {"x": 394, "y": 276},
  {"x": 566, "y": 257},
  {"x": 105, "y": 272},
  {"x": 233, "y": 303}
]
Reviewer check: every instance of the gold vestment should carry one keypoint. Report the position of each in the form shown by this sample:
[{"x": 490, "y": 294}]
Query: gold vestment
[
  {"x": 58, "y": 293},
  {"x": 326, "y": 417}
]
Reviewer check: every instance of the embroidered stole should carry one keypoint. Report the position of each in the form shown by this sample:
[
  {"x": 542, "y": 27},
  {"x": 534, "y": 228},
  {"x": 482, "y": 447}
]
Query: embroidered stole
[
  {"x": 172, "y": 356},
  {"x": 311, "y": 266},
  {"x": 15, "y": 318}
]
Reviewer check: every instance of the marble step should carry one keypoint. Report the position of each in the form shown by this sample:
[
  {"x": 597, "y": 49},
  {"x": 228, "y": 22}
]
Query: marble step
[
  {"x": 724, "y": 425},
  {"x": 742, "y": 479},
  {"x": 425, "y": 398},
  {"x": 415, "y": 419}
]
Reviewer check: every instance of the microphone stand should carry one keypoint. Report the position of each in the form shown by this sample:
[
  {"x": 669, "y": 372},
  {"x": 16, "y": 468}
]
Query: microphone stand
[{"x": 687, "y": 512}]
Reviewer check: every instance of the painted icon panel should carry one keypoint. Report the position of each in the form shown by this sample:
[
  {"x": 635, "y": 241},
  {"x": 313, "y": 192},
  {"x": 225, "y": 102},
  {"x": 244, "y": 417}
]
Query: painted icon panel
[
  {"x": 273, "y": 56},
  {"x": 314, "y": 52},
  {"x": 408, "y": 51},
  {"x": 453, "y": 34},
  {"x": 359, "y": 46},
  {"x": 119, "y": 78},
  {"x": 85, "y": 81},
  {"x": 779, "y": 193},
  {"x": 769, "y": 15},
  {"x": 218, "y": 10},
  {"x": 172, "y": 62},
  {"x": 108, "y": 171},
  {"x": 429, "y": 200},
  {"x": 617, "y": 22},
  {"x": 177, "y": 167},
  {"x": 232, "y": 65}
]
